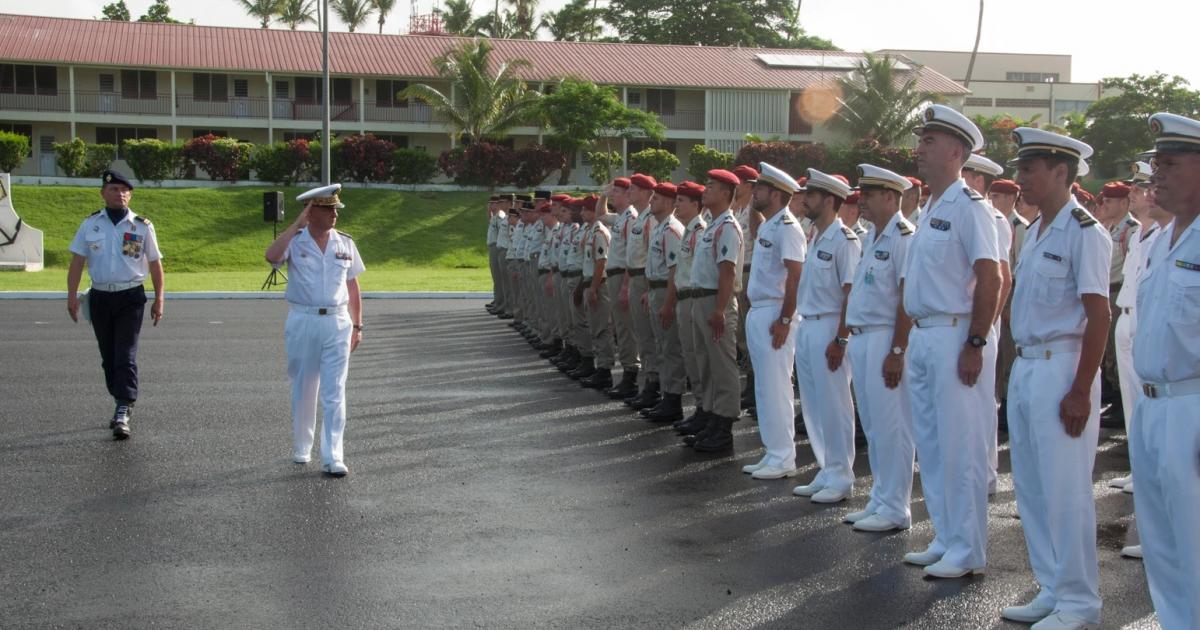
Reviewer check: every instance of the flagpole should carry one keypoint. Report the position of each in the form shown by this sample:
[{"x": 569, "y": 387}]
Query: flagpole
[{"x": 326, "y": 141}]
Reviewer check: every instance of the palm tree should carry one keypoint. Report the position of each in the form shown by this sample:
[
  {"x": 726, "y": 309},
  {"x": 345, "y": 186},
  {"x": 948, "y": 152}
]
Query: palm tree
[
  {"x": 352, "y": 13},
  {"x": 457, "y": 19},
  {"x": 523, "y": 18},
  {"x": 297, "y": 12},
  {"x": 383, "y": 8},
  {"x": 264, "y": 10},
  {"x": 485, "y": 105},
  {"x": 975, "y": 50},
  {"x": 575, "y": 22},
  {"x": 879, "y": 103}
]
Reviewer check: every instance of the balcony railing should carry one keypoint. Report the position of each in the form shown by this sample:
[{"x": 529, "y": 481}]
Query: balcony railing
[
  {"x": 413, "y": 113},
  {"x": 113, "y": 103},
  {"x": 236, "y": 107},
  {"x": 684, "y": 119},
  {"x": 60, "y": 102}
]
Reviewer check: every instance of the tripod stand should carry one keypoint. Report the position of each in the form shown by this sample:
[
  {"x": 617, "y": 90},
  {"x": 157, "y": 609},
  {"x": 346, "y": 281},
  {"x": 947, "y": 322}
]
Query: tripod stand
[{"x": 273, "y": 278}]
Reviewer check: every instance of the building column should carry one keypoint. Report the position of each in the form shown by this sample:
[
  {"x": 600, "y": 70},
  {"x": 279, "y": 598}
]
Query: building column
[
  {"x": 174, "y": 128},
  {"x": 708, "y": 117},
  {"x": 624, "y": 141},
  {"x": 270, "y": 109},
  {"x": 362, "y": 107},
  {"x": 453, "y": 138},
  {"x": 71, "y": 92}
]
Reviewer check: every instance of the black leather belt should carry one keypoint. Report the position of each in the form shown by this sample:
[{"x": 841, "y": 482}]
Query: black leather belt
[
  {"x": 616, "y": 271},
  {"x": 703, "y": 292},
  {"x": 658, "y": 284},
  {"x": 633, "y": 273},
  {"x": 572, "y": 274},
  {"x": 684, "y": 294},
  {"x": 542, "y": 272}
]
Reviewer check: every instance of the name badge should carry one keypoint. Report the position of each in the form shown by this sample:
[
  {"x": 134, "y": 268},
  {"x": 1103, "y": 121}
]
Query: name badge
[
  {"x": 1183, "y": 264},
  {"x": 1054, "y": 257},
  {"x": 342, "y": 255},
  {"x": 939, "y": 225},
  {"x": 882, "y": 254},
  {"x": 764, "y": 242},
  {"x": 824, "y": 255}
]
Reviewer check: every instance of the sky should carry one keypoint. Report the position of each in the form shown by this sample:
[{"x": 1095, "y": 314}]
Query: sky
[{"x": 1104, "y": 37}]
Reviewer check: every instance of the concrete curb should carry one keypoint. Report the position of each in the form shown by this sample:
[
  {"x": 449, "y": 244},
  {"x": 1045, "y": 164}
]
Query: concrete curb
[{"x": 265, "y": 295}]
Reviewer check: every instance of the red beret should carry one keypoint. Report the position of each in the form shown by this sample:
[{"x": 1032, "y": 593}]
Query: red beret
[
  {"x": 689, "y": 189},
  {"x": 745, "y": 173},
  {"x": 722, "y": 175},
  {"x": 842, "y": 178},
  {"x": 852, "y": 199},
  {"x": 915, "y": 182},
  {"x": 644, "y": 182},
  {"x": 1084, "y": 196},
  {"x": 666, "y": 189},
  {"x": 622, "y": 182},
  {"x": 589, "y": 203},
  {"x": 803, "y": 181},
  {"x": 1115, "y": 190},
  {"x": 1005, "y": 187}
]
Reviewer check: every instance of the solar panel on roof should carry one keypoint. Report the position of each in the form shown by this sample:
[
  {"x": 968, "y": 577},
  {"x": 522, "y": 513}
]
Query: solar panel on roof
[{"x": 818, "y": 62}]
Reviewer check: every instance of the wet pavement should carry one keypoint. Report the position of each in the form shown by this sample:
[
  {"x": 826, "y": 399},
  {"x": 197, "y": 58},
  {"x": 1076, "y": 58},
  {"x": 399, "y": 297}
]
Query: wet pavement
[{"x": 486, "y": 490}]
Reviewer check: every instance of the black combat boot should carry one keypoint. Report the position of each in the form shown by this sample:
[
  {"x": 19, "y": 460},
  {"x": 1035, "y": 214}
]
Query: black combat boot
[
  {"x": 694, "y": 423},
  {"x": 567, "y": 352},
  {"x": 571, "y": 364},
  {"x": 669, "y": 410},
  {"x": 626, "y": 388},
  {"x": 600, "y": 379},
  {"x": 648, "y": 398},
  {"x": 710, "y": 424},
  {"x": 553, "y": 348},
  {"x": 720, "y": 438},
  {"x": 587, "y": 367}
]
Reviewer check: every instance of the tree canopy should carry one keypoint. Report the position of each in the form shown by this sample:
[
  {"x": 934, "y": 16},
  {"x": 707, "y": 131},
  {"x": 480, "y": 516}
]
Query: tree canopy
[
  {"x": 765, "y": 23},
  {"x": 116, "y": 11}
]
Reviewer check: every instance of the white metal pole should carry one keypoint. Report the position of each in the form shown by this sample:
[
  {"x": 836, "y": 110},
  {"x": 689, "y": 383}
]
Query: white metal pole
[{"x": 326, "y": 141}]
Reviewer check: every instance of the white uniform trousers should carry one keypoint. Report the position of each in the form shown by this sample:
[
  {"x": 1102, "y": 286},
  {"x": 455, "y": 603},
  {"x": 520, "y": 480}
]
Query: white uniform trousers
[
  {"x": 643, "y": 334},
  {"x": 318, "y": 351},
  {"x": 887, "y": 421},
  {"x": 687, "y": 346},
  {"x": 667, "y": 346},
  {"x": 773, "y": 383},
  {"x": 1165, "y": 451},
  {"x": 949, "y": 427},
  {"x": 987, "y": 378},
  {"x": 826, "y": 402},
  {"x": 1131, "y": 385},
  {"x": 1052, "y": 477}
]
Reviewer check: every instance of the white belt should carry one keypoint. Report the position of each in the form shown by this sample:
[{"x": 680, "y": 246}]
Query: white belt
[
  {"x": 820, "y": 316},
  {"x": 318, "y": 310},
  {"x": 860, "y": 330},
  {"x": 112, "y": 287},
  {"x": 1047, "y": 350},
  {"x": 1189, "y": 387},
  {"x": 936, "y": 321}
]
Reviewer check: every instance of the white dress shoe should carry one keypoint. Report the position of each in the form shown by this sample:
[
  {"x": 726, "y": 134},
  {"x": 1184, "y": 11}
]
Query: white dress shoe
[
  {"x": 1032, "y": 612},
  {"x": 855, "y": 517},
  {"x": 1063, "y": 621},
  {"x": 1121, "y": 482},
  {"x": 876, "y": 523},
  {"x": 829, "y": 495},
  {"x": 922, "y": 558},
  {"x": 1132, "y": 551},
  {"x": 773, "y": 472},
  {"x": 750, "y": 468},
  {"x": 941, "y": 569},
  {"x": 1128, "y": 489},
  {"x": 336, "y": 469},
  {"x": 809, "y": 490},
  {"x": 300, "y": 457}
]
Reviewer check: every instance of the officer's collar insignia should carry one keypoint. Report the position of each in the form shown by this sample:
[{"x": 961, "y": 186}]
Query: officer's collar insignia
[
  {"x": 1190, "y": 266},
  {"x": 882, "y": 254},
  {"x": 823, "y": 255},
  {"x": 940, "y": 224},
  {"x": 1054, "y": 257}
]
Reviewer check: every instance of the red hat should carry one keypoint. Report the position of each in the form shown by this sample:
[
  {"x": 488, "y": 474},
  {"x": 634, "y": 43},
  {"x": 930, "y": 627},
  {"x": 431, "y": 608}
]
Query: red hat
[
  {"x": 1083, "y": 196},
  {"x": 689, "y": 189},
  {"x": 1005, "y": 187},
  {"x": 666, "y": 189},
  {"x": 560, "y": 197},
  {"x": 803, "y": 181},
  {"x": 842, "y": 178},
  {"x": 852, "y": 199},
  {"x": 545, "y": 206},
  {"x": 589, "y": 203},
  {"x": 1115, "y": 190},
  {"x": 745, "y": 172},
  {"x": 622, "y": 182},
  {"x": 725, "y": 176},
  {"x": 645, "y": 182},
  {"x": 915, "y": 182}
]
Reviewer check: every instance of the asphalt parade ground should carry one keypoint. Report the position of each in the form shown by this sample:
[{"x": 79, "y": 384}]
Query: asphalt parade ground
[{"x": 486, "y": 490}]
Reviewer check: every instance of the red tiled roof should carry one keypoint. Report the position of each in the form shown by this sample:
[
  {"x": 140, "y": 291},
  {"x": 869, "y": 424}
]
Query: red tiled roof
[{"x": 26, "y": 38}]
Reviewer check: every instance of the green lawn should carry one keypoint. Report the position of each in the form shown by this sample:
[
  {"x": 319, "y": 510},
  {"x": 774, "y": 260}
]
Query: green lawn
[{"x": 213, "y": 238}]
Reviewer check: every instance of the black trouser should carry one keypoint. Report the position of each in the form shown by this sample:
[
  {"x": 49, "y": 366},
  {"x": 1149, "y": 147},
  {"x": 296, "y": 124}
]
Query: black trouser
[{"x": 117, "y": 321}]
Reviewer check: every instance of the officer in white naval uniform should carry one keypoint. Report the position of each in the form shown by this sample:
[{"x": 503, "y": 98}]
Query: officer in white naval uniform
[
  {"x": 1165, "y": 444},
  {"x": 1060, "y": 320},
  {"x": 821, "y": 366},
  {"x": 878, "y": 339},
  {"x": 951, "y": 290},
  {"x": 771, "y": 320},
  {"x": 324, "y": 323}
]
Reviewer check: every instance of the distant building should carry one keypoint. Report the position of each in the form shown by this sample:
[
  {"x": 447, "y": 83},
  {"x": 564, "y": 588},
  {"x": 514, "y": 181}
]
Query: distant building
[{"x": 106, "y": 81}]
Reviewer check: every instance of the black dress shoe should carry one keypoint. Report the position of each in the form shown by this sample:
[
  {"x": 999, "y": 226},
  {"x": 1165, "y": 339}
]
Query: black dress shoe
[
  {"x": 669, "y": 410},
  {"x": 600, "y": 379},
  {"x": 647, "y": 398},
  {"x": 504, "y": 316},
  {"x": 719, "y": 438},
  {"x": 587, "y": 367},
  {"x": 120, "y": 422},
  {"x": 626, "y": 388},
  {"x": 693, "y": 424}
]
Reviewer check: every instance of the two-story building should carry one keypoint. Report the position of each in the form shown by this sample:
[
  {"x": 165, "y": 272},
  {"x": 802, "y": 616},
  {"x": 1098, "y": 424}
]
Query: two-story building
[{"x": 106, "y": 81}]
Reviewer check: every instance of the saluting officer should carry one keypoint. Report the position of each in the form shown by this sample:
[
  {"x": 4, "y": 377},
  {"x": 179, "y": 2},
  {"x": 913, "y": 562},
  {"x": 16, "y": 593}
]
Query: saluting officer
[
  {"x": 821, "y": 368},
  {"x": 1060, "y": 321},
  {"x": 324, "y": 323},
  {"x": 1165, "y": 444},
  {"x": 879, "y": 331},
  {"x": 687, "y": 210},
  {"x": 504, "y": 229},
  {"x": 119, "y": 249},
  {"x": 771, "y": 320},
  {"x": 492, "y": 232},
  {"x": 951, "y": 291}
]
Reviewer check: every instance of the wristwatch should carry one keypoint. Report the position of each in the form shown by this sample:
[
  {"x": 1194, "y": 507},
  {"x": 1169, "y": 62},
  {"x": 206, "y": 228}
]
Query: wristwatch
[
  {"x": 785, "y": 320},
  {"x": 358, "y": 327},
  {"x": 898, "y": 351},
  {"x": 841, "y": 341},
  {"x": 975, "y": 341}
]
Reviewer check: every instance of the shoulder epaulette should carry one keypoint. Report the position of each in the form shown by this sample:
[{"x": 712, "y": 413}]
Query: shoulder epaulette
[
  {"x": 141, "y": 219},
  {"x": 972, "y": 194},
  {"x": 787, "y": 220},
  {"x": 1084, "y": 218},
  {"x": 1020, "y": 220},
  {"x": 345, "y": 234},
  {"x": 905, "y": 228},
  {"x": 850, "y": 235}
]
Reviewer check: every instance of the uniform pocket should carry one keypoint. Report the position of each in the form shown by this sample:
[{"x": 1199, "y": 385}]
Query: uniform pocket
[
  {"x": 1052, "y": 282},
  {"x": 94, "y": 243},
  {"x": 1184, "y": 297},
  {"x": 939, "y": 244}
]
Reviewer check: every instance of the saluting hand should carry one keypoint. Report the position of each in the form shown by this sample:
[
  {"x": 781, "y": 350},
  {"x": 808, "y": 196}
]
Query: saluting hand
[{"x": 301, "y": 221}]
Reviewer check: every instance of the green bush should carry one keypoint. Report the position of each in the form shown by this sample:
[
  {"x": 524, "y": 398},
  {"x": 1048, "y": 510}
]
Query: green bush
[
  {"x": 603, "y": 164},
  {"x": 71, "y": 157},
  {"x": 285, "y": 162},
  {"x": 99, "y": 158},
  {"x": 154, "y": 160},
  {"x": 413, "y": 166},
  {"x": 657, "y": 163},
  {"x": 14, "y": 148},
  {"x": 221, "y": 158},
  {"x": 703, "y": 159}
]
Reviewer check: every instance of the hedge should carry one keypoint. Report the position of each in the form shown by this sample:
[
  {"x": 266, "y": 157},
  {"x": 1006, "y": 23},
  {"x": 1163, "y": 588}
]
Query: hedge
[{"x": 14, "y": 148}]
